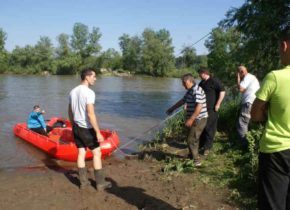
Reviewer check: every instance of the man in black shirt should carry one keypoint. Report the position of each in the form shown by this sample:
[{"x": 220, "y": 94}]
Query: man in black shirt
[{"x": 215, "y": 94}]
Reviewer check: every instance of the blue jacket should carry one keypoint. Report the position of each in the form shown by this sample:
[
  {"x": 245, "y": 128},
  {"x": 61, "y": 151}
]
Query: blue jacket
[{"x": 35, "y": 120}]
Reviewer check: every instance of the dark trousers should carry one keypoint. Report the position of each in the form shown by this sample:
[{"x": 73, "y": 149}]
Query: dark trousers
[
  {"x": 207, "y": 136},
  {"x": 274, "y": 179},
  {"x": 41, "y": 130},
  {"x": 194, "y": 137}
]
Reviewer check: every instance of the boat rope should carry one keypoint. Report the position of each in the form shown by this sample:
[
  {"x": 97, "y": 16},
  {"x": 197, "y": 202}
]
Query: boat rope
[{"x": 144, "y": 133}]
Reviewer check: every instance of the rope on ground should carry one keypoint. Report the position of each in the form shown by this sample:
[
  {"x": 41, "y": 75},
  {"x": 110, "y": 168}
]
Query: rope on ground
[{"x": 155, "y": 127}]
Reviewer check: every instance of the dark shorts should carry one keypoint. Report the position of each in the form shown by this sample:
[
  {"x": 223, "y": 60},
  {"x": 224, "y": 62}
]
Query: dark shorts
[{"x": 85, "y": 137}]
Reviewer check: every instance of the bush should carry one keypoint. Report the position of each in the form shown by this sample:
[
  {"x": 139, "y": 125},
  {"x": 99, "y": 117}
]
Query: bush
[
  {"x": 228, "y": 115},
  {"x": 177, "y": 73}
]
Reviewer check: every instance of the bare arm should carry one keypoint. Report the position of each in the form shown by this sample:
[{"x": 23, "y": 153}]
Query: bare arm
[
  {"x": 241, "y": 89},
  {"x": 194, "y": 115},
  {"x": 175, "y": 106},
  {"x": 219, "y": 101},
  {"x": 93, "y": 120},
  {"x": 259, "y": 110}
]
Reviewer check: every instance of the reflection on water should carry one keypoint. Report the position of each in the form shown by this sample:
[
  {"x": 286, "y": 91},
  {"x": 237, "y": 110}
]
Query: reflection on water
[{"x": 129, "y": 105}]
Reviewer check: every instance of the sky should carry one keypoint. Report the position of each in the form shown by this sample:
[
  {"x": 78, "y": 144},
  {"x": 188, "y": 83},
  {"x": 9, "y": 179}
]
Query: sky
[{"x": 25, "y": 21}]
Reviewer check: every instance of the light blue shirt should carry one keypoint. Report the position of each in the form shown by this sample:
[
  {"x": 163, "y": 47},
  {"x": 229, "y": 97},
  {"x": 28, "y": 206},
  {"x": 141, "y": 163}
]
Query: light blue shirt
[{"x": 35, "y": 120}]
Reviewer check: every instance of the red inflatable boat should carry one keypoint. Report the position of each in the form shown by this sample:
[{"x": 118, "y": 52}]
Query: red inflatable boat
[{"x": 60, "y": 142}]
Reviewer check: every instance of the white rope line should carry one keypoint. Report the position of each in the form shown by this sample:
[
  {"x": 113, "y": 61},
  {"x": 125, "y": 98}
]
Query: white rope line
[{"x": 134, "y": 139}]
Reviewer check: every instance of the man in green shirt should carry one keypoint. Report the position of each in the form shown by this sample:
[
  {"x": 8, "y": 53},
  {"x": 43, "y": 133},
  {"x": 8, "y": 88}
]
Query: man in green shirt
[{"x": 272, "y": 105}]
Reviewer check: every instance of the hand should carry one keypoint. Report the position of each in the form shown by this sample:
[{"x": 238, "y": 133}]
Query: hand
[
  {"x": 189, "y": 123},
  {"x": 217, "y": 107},
  {"x": 43, "y": 111},
  {"x": 238, "y": 77},
  {"x": 100, "y": 137},
  {"x": 169, "y": 111}
]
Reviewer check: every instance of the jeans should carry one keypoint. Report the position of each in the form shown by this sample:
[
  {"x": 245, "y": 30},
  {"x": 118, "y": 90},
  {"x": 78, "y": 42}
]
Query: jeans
[
  {"x": 243, "y": 123},
  {"x": 193, "y": 137}
]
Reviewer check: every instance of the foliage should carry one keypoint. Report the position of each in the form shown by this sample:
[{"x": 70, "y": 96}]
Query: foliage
[
  {"x": 223, "y": 56},
  {"x": 227, "y": 164},
  {"x": 259, "y": 24},
  {"x": 174, "y": 127},
  {"x": 157, "y": 52},
  {"x": 33, "y": 59},
  {"x": 131, "y": 51},
  {"x": 3, "y": 53},
  {"x": 68, "y": 64},
  {"x": 64, "y": 48},
  {"x": 200, "y": 61},
  {"x": 85, "y": 43},
  {"x": 3, "y": 38},
  {"x": 228, "y": 115},
  {"x": 110, "y": 59},
  {"x": 177, "y": 73},
  {"x": 174, "y": 164},
  {"x": 188, "y": 56}
]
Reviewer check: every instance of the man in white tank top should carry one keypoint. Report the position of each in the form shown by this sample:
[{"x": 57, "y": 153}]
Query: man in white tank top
[{"x": 86, "y": 129}]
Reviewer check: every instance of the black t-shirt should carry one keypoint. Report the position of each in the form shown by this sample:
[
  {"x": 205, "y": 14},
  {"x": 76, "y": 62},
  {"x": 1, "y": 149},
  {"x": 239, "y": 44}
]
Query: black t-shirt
[{"x": 212, "y": 88}]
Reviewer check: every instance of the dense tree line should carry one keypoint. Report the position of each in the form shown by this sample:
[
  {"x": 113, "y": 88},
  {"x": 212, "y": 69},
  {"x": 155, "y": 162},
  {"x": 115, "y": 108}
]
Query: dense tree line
[
  {"x": 151, "y": 53},
  {"x": 248, "y": 35}
]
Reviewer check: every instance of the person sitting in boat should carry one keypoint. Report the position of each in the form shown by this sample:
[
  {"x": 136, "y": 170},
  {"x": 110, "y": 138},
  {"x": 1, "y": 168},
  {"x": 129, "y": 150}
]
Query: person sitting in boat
[{"x": 36, "y": 121}]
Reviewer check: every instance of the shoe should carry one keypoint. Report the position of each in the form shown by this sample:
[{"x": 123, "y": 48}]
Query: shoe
[
  {"x": 206, "y": 152},
  {"x": 197, "y": 163}
]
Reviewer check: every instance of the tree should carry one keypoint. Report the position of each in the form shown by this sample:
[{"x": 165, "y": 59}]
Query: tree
[
  {"x": 44, "y": 54},
  {"x": 3, "y": 38},
  {"x": 157, "y": 52},
  {"x": 84, "y": 43},
  {"x": 80, "y": 38},
  {"x": 131, "y": 51},
  {"x": 200, "y": 61},
  {"x": 3, "y": 52},
  {"x": 223, "y": 56},
  {"x": 68, "y": 65},
  {"x": 93, "y": 47},
  {"x": 63, "y": 49},
  {"x": 259, "y": 22},
  {"x": 188, "y": 56},
  {"x": 110, "y": 59}
]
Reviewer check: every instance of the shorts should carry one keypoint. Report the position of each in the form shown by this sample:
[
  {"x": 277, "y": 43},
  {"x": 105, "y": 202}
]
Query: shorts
[{"x": 85, "y": 137}]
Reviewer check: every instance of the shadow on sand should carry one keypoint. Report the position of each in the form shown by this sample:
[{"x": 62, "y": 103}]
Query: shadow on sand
[{"x": 137, "y": 197}]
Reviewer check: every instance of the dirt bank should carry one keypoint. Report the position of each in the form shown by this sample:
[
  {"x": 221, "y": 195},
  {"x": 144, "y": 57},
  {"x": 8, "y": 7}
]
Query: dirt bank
[{"x": 136, "y": 185}]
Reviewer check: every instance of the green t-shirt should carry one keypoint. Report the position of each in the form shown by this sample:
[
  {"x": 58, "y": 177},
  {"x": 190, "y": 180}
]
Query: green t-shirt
[{"x": 274, "y": 90}]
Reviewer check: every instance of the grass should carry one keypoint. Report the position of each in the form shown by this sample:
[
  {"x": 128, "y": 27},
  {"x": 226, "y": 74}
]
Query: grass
[{"x": 227, "y": 166}]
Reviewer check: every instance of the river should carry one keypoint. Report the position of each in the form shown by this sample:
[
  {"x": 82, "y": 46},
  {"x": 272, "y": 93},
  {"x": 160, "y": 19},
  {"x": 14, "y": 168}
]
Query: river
[{"x": 128, "y": 105}]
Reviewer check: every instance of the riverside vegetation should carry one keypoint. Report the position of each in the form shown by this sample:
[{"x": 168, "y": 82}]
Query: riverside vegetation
[
  {"x": 241, "y": 37},
  {"x": 227, "y": 166}
]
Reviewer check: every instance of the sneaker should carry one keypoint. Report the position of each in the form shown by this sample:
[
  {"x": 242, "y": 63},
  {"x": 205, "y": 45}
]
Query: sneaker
[
  {"x": 197, "y": 163},
  {"x": 206, "y": 152}
]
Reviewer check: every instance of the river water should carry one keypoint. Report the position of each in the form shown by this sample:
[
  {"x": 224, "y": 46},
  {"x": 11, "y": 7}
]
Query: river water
[{"x": 129, "y": 105}]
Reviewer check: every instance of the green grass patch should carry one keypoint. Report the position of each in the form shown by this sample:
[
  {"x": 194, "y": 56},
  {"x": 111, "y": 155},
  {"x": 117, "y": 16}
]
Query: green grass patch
[{"x": 227, "y": 166}]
